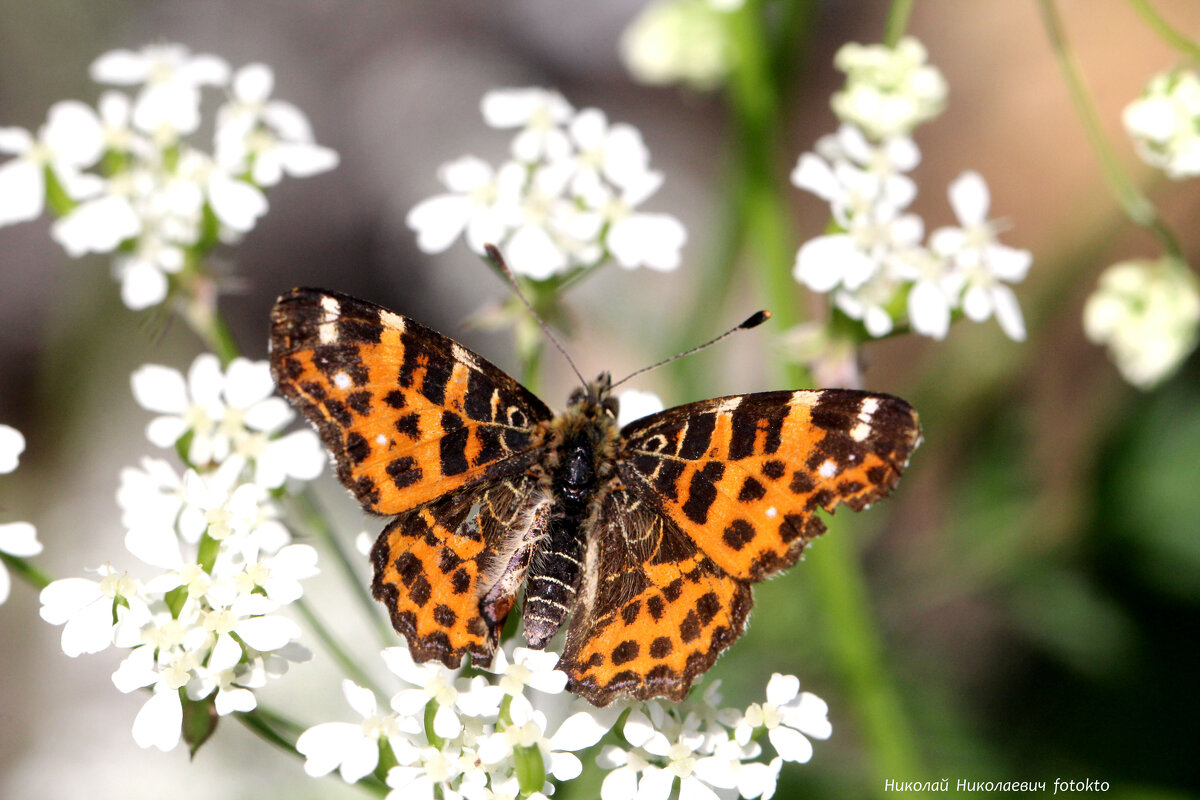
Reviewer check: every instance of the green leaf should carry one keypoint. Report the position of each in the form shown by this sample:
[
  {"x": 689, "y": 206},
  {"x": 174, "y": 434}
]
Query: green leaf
[{"x": 199, "y": 721}]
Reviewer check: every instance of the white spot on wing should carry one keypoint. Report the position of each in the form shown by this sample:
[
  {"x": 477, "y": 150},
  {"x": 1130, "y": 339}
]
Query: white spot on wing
[
  {"x": 805, "y": 397},
  {"x": 380, "y": 439},
  {"x": 860, "y": 431},
  {"x": 390, "y": 319},
  {"x": 327, "y": 331},
  {"x": 464, "y": 355},
  {"x": 341, "y": 380},
  {"x": 728, "y": 404},
  {"x": 828, "y": 468},
  {"x": 772, "y": 512}
]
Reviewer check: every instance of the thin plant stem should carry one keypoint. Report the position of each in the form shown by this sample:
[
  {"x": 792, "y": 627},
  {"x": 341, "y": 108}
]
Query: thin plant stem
[
  {"x": 1165, "y": 31},
  {"x": 318, "y": 524},
  {"x": 26, "y": 571},
  {"x": 852, "y": 636},
  {"x": 1135, "y": 205},
  {"x": 348, "y": 664},
  {"x": 897, "y": 21}
]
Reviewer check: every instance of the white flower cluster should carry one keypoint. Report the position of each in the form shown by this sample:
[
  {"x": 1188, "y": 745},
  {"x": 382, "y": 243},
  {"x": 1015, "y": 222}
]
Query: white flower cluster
[
  {"x": 566, "y": 200},
  {"x": 888, "y": 91},
  {"x": 155, "y": 198},
  {"x": 17, "y": 539},
  {"x": 875, "y": 263},
  {"x": 713, "y": 751},
  {"x": 680, "y": 41},
  {"x": 207, "y": 621},
  {"x": 1165, "y": 122},
  {"x": 454, "y": 737},
  {"x": 1148, "y": 315}
]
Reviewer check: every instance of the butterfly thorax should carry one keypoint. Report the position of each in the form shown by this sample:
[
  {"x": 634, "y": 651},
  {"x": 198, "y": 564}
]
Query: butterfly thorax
[{"x": 581, "y": 445}]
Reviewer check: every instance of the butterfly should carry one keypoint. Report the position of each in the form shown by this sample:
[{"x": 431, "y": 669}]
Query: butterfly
[{"x": 643, "y": 541}]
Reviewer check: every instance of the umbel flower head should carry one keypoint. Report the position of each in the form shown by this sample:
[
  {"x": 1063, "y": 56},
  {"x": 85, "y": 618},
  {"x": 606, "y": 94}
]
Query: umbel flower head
[
  {"x": 1165, "y": 122},
  {"x": 128, "y": 177},
  {"x": 1147, "y": 313},
  {"x": 889, "y": 90},
  {"x": 202, "y": 618},
  {"x": 680, "y": 41},
  {"x": 568, "y": 198}
]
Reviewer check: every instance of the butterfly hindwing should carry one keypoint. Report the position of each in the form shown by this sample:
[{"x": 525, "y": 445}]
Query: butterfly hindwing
[
  {"x": 652, "y": 612},
  {"x": 743, "y": 476},
  {"x": 408, "y": 414}
]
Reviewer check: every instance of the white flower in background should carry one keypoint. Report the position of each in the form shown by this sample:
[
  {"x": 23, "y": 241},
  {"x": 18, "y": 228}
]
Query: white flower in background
[
  {"x": 985, "y": 265},
  {"x": 789, "y": 717},
  {"x": 1147, "y": 313},
  {"x": 16, "y": 538},
  {"x": 69, "y": 142},
  {"x": 680, "y": 41},
  {"x": 352, "y": 748},
  {"x": 527, "y": 731},
  {"x": 633, "y": 404},
  {"x": 170, "y": 78},
  {"x": 150, "y": 202},
  {"x": 730, "y": 767},
  {"x": 12, "y": 444},
  {"x": 539, "y": 113},
  {"x": 268, "y": 138},
  {"x": 1165, "y": 122},
  {"x": 888, "y": 91},
  {"x": 569, "y": 197},
  {"x": 528, "y": 668},
  {"x": 424, "y": 773},
  {"x": 874, "y": 261}
]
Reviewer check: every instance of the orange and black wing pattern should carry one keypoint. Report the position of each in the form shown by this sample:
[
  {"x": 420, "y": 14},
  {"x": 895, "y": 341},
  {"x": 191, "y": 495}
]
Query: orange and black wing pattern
[
  {"x": 408, "y": 414},
  {"x": 423, "y": 429},
  {"x": 652, "y": 611},
  {"x": 743, "y": 476}
]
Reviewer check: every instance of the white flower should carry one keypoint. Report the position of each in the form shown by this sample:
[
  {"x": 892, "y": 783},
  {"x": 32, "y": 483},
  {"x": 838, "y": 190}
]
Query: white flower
[
  {"x": 986, "y": 265},
  {"x": 70, "y": 141},
  {"x": 730, "y": 767},
  {"x": 633, "y": 404},
  {"x": 679, "y": 41},
  {"x": 888, "y": 91},
  {"x": 352, "y": 748},
  {"x": 471, "y": 207},
  {"x": 224, "y": 413},
  {"x": 422, "y": 772},
  {"x": 12, "y": 444},
  {"x": 540, "y": 113},
  {"x": 267, "y": 137},
  {"x": 87, "y": 609},
  {"x": 1148, "y": 315},
  {"x": 168, "y": 103},
  {"x": 788, "y": 717},
  {"x": 569, "y": 197},
  {"x": 98, "y": 225},
  {"x": 1165, "y": 122},
  {"x": 434, "y": 683},
  {"x": 528, "y": 668},
  {"x": 17, "y": 539}
]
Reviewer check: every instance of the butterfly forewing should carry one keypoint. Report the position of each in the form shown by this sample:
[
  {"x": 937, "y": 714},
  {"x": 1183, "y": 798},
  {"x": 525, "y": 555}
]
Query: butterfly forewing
[
  {"x": 408, "y": 414},
  {"x": 743, "y": 476}
]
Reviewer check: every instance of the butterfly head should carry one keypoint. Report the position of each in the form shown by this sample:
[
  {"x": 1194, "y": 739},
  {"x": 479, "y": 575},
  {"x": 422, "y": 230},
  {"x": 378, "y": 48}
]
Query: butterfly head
[{"x": 595, "y": 398}]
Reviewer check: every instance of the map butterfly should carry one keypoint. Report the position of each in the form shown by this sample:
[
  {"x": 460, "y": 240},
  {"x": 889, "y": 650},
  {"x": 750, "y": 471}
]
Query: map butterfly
[{"x": 644, "y": 541}]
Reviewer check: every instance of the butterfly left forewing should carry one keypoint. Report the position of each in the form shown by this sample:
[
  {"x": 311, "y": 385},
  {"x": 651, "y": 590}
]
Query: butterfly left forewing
[
  {"x": 409, "y": 415},
  {"x": 743, "y": 476}
]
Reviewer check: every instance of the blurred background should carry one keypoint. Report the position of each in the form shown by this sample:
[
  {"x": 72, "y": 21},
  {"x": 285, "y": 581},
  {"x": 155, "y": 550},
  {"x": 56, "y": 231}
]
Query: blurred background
[{"x": 1035, "y": 580}]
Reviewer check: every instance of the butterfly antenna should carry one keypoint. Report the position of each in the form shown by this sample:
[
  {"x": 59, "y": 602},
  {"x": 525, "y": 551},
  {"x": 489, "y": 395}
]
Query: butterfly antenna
[
  {"x": 753, "y": 321},
  {"x": 494, "y": 256}
]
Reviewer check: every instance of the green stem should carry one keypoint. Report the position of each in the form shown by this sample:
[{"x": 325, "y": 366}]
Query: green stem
[
  {"x": 897, "y": 21},
  {"x": 1132, "y": 201},
  {"x": 352, "y": 669},
  {"x": 318, "y": 524},
  {"x": 26, "y": 571},
  {"x": 852, "y": 635},
  {"x": 1163, "y": 28}
]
